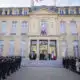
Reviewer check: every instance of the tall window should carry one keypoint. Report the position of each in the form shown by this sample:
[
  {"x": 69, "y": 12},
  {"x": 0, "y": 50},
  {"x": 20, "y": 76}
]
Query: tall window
[
  {"x": 20, "y": 11},
  {"x": 6, "y": 11},
  {"x": 25, "y": 11},
  {"x": 1, "y": 46},
  {"x": 64, "y": 48},
  {"x": 13, "y": 31},
  {"x": 52, "y": 47},
  {"x": 77, "y": 10},
  {"x": 0, "y": 11},
  {"x": 61, "y": 11},
  {"x": 44, "y": 26},
  {"x": 23, "y": 48},
  {"x": 72, "y": 11},
  {"x": 66, "y": 11},
  {"x": 4, "y": 27},
  {"x": 76, "y": 48},
  {"x": 24, "y": 27},
  {"x": 11, "y": 49},
  {"x": 62, "y": 27},
  {"x": 33, "y": 46},
  {"x": 10, "y": 12},
  {"x": 16, "y": 11},
  {"x": 73, "y": 27}
]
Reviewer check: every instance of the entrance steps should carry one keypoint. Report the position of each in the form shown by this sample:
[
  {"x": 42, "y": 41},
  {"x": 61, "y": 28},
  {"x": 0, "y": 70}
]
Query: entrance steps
[{"x": 42, "y": 63}]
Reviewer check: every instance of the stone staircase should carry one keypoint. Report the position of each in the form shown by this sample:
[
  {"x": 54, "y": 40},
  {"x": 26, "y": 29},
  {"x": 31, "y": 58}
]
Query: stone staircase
[{"x": 42, "y": 63}]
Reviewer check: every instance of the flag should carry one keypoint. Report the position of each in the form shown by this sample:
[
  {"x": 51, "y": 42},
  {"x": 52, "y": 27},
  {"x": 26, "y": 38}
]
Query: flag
[{"x": 38, "y": 0}]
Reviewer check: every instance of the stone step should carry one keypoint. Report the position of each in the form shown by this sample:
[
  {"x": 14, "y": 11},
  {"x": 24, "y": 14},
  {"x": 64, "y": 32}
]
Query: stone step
[{"x": 42, "y": 63}]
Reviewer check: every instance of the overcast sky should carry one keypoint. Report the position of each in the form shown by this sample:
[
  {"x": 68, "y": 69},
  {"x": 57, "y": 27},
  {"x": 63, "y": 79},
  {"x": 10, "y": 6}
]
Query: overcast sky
[{"x": 25, "y": 3}]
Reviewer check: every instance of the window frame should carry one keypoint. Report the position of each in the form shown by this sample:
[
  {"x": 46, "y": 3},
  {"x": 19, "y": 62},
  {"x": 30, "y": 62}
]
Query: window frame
[
  {"x": 73, "y": 29},
  {"x": 13, "y": 29},
  {"x": 62, "y": 27}
]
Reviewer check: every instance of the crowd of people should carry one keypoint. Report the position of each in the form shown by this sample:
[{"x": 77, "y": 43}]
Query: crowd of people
[
  {"x": 9, "y": 65},
  {"x": 72, "y": 63},
  {"x": 43, "y": 56}
]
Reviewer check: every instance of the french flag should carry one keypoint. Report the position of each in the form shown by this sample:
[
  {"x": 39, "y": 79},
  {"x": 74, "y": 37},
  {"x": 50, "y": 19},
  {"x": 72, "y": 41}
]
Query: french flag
[{"x": 38, "y": 0}]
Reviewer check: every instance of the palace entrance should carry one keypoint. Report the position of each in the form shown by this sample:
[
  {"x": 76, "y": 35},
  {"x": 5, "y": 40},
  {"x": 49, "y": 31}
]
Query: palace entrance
[{"x": 44, "y": 47}]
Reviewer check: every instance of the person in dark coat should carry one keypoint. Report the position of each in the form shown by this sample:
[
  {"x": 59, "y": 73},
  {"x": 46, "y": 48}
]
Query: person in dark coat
[
  {"x": 32, "y": 55},
  {"x": 42, "y": 56}
]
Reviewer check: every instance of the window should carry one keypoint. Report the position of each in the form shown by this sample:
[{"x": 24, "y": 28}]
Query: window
[
  {"x": 13, "y": 31},
  {"x": 11, "y": 49},
  {"x": 43, "y": 46},
  {"x": 24, "y": 27},
  {"x": 77, "y": 10},
  {"x": 22, "y": 47},
  {"x": 0, "y": 11},
  {"x": 44, "y": 26},
  {"x": 66, "y": 11},
  {"x": 61, "y": 11},
  {"x": 10, "y": 12},
  {"x": 25, "y": 11},
  {"x": 64, "y": 48},
  {"x": 52, "y": 47},
  {"x": 1, "y": 47},
  {"x": 6, "y": 11},
  {"x": 73, "y": 27},
  {"x": 62, "y": 27},
  {"x": 20, "y": 11},
  {"x": 72, "y": 11},
  {"x": 15, "y": 11},
  {"x": 3, "y": 27},
  {"x": 76, "y": 48}
]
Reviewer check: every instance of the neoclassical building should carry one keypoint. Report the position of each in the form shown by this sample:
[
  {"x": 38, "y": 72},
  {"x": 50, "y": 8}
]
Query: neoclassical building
[{"x": 38, "y": 28}]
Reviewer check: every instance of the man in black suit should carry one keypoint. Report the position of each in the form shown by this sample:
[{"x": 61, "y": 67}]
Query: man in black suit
[
  {"x": 32, "y": 55},
  {"x": 42, "y": 56}
]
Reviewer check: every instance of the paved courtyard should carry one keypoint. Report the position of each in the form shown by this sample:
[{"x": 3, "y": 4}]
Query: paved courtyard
[{"x": 43, "y": 73}]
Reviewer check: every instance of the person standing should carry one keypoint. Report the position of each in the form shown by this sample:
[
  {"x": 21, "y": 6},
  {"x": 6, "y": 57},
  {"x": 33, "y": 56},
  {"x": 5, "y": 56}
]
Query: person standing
[
  {"x": 52, "y": 55},
  {"x": 77, "y": 65}
]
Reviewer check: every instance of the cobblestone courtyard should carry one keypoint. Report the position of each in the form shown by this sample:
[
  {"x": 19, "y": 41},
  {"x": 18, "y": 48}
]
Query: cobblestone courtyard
[{"x": 43, "y": 73}]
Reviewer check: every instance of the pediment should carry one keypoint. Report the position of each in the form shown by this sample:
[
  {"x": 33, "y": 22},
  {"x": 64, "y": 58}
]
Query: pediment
[{"x": 43, "y": 11}]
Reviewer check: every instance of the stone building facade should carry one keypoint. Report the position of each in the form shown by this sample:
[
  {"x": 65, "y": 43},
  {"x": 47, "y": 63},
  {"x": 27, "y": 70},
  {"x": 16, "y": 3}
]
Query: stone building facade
[{"x": 39, "y": 28}]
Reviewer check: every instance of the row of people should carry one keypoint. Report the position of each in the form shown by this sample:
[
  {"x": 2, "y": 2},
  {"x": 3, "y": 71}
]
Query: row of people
[
  {"x": 42, "y": 56},
  {"x": 47, "y": 57},
  {"x": 72, "y": 63},
  {"x": 9, "y": 65}
]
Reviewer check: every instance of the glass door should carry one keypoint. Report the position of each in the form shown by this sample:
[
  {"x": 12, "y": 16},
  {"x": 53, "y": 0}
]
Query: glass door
[{"x": 43, "y": 46}]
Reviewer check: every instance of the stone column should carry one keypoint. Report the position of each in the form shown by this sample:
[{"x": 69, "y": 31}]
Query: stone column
[
  {"x": 48, "y": 46},
  {"x": 59, "y": 55},
  {"x": 37, "y": 49},
  {"x": 26, "y": 54},
  {"x": 28, "y": 47}
]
